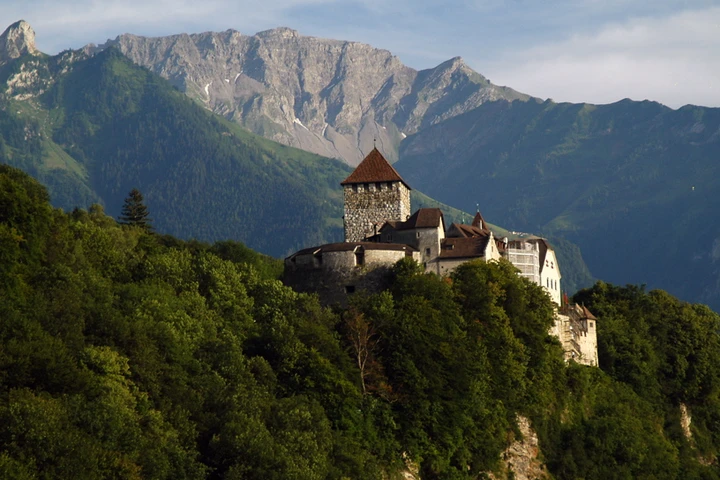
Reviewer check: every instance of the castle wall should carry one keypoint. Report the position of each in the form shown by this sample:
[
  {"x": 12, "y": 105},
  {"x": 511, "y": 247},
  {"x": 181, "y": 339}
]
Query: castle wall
[
  {"x": 336, "y": 275},
  {"x": 588, "y": 344},
  {"x": 444, "y": 266},
  {"x": 369, "y": 205},
  {"x": 425, "y": 240}
]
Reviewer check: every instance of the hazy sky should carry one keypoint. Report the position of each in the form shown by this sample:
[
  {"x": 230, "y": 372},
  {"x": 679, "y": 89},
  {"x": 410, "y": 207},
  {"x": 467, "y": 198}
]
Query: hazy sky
[{"x": 597, "y": 51}]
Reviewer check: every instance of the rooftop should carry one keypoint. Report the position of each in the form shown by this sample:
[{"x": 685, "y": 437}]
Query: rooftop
[{"x": 374, "y": 168}]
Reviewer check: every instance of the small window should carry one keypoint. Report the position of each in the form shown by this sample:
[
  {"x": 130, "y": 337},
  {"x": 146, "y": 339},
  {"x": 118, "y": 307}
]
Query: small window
[
  {"x": 349, "y": 288},
  {"x": 591, "y": 324},
  {"x": 360, "y": 257},
  {"x": 427, "y": 252},
  {"x": 355, "y": 187},
  {"x": 377, "y": 187},
  {"x": 417, "y": 234},
  {"x": 389, "y": 185}
]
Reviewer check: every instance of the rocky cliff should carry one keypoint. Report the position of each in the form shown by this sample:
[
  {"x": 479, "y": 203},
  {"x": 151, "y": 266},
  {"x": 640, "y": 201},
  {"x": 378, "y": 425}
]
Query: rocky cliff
[
  {"x": 331, "y": 97},
  {"x": 17, "y": 40}
]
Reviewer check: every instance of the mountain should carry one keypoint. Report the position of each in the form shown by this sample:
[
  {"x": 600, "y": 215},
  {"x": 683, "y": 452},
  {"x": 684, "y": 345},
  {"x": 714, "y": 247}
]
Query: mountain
[
  {"x": 93, "y": 127},
  {"x": 634, "y": 184},
  {"x": 330, "y": 97}
]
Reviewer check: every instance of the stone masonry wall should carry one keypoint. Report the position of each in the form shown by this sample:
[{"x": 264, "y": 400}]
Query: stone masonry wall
[
  {"x": 338, "y": 276},
  {"x": 370, "y": 204}
]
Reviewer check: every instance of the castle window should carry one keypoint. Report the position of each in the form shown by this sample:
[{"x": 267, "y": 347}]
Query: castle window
[
  {"x": 427, "y": 252},
  {"x": 360, "y": 257},
  {"x": 355, "y": 187},
  {"x": 417, "y": 234},
  {"x": 389, "y": 185},
  {"x": 349, "y": 288},
  {"x": 377, "y": 187}
]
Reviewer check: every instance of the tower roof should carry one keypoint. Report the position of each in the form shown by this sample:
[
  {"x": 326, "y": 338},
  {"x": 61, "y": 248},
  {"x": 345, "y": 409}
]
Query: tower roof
[
  {"x": 374, "y": 168},
  {"x": 479, "y": 221}
]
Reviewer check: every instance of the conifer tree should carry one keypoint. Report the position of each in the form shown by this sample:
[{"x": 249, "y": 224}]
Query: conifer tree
[{"x": 134, "y": 211}]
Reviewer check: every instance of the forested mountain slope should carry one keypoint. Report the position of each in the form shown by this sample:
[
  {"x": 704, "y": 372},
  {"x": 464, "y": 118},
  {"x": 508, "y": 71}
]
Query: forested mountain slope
[
  {"x": 130, "y": 355},
  {"x": 634, "y": 184},
  {"x": 92, "y": 128}
]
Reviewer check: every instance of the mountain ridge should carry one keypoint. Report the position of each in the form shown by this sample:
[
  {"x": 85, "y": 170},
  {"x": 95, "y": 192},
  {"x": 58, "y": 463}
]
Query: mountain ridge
[{"x": 331, "y": 97}]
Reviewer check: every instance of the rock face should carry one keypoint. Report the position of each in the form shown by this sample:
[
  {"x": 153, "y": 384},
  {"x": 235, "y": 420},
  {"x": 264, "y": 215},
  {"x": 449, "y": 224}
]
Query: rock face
[
  {"x": 17, "y": 40},
  {"x": 521, "y": 459},
  {"x": 331, "y": 97}
]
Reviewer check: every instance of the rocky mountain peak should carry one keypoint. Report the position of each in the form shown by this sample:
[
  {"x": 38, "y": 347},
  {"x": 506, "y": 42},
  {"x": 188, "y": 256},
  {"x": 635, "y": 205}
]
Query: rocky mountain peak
[
  {"x": 17, "y": 40},
  {"x": 279, "y": 32},
  {"x": 332, "y": 97}
]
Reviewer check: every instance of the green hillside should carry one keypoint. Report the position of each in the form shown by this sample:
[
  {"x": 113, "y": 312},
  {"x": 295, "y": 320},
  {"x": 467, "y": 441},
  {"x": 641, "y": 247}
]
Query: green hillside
[
  {"x": 129, "y": 355},
  {"x": 104, "y": 126},
  {"x": 634, "y": 184}
]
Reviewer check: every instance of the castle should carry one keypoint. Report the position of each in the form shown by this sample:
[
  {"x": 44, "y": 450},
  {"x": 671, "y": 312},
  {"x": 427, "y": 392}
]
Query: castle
[{"x": 380, "y": 230}]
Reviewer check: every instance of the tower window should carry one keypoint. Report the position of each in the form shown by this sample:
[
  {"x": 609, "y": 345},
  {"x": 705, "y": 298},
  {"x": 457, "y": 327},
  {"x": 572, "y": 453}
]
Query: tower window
[
  {"x": 360, "y": 257},
  {"x": 349, "y": 288}
]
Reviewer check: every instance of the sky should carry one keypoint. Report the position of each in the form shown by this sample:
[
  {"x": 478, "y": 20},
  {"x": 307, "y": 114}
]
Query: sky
[{"x": 596, "y": 51}]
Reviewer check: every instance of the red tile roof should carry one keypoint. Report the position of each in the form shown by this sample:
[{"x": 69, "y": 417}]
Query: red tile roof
[
  {"x": 479, "y": 221},
  {"x": 587, "y": 313},
  {"x": 374, "y": 168}
]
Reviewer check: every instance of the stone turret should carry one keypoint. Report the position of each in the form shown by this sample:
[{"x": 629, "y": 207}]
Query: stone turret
[{"x": 374, "y": 193}]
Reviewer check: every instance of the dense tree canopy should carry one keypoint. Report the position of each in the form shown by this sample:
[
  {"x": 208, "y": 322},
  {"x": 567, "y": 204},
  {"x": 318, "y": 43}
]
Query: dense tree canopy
[{"x": 129, "y": 355}]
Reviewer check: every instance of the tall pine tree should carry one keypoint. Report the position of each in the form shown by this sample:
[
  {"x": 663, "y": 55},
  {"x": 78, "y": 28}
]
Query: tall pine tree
[{"x": 134, "y": 212}]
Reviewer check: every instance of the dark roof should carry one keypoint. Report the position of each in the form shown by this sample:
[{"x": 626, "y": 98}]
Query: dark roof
[
  {"x": 464, "y": 247},
  {"x": 467, "y": 230},
  {"x": 350, "y": 246},
  {"x": 422, "y": 218},
  {"x": 374, "y": 168}
]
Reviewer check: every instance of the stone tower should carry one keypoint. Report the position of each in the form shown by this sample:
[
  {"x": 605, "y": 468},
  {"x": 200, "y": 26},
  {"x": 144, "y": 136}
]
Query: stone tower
[{"x": 374, "y": 193}]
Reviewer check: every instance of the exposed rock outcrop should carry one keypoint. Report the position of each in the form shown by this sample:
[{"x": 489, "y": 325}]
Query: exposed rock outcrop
[
  {"x": 521, "y": 459},
  {"x": 17, "y": 40},
  {"x": 331, "y": 97}
]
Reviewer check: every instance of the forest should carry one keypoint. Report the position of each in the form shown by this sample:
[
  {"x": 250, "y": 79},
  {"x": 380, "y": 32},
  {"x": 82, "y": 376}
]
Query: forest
[{"x": 126, "y": 353}]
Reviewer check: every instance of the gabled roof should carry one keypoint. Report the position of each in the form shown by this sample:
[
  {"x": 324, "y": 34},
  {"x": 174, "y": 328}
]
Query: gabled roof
[
  {"x": 374, "y": 168},
  {"x": 472, "y": 247},
  {"x": 422, "y": 218},
  {"x": 459, "y": 230}
]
